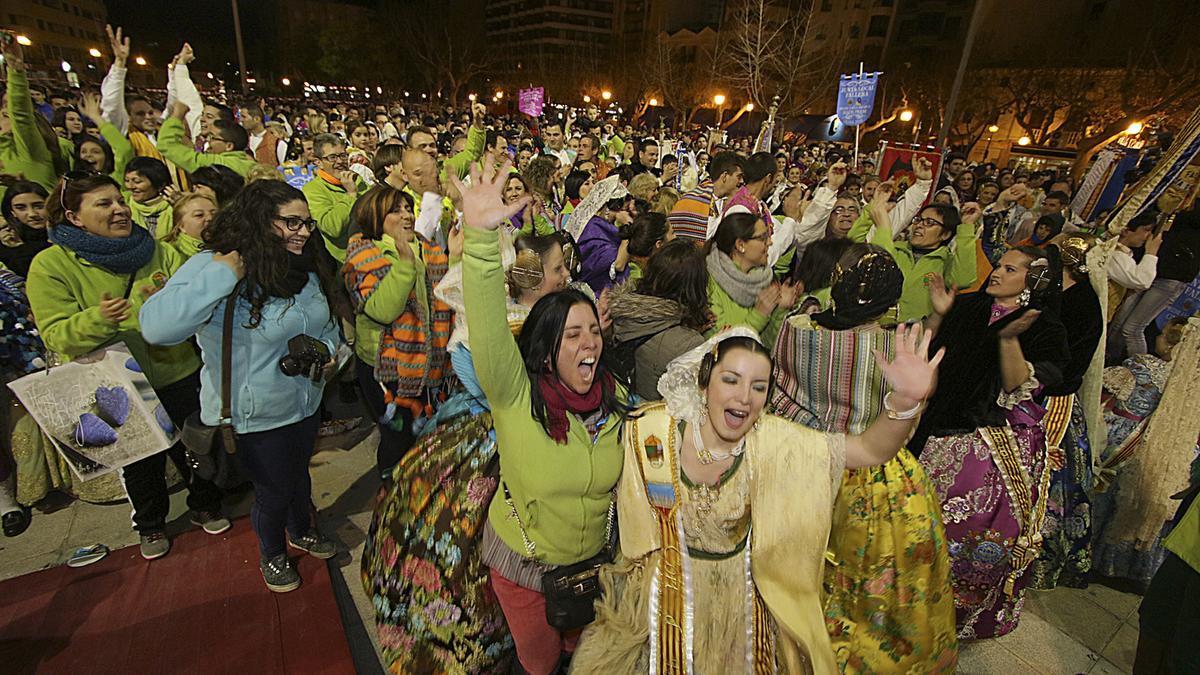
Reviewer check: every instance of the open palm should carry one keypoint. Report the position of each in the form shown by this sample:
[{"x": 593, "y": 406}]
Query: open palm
[
  {"x": 482, "y": 202},
  {"x": 911, "y": 372}
]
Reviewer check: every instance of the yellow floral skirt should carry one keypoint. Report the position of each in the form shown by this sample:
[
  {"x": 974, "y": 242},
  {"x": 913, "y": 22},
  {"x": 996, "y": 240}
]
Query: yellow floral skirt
[{"x": 890, "y": 607}]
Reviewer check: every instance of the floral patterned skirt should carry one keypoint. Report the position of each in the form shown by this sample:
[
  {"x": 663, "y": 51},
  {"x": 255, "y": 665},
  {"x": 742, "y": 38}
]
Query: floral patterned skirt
[
  {"x": 434, "y": 606},
  {"x": 989, "y": 555},
  {"x": 890, "y": 607},
  {"x": 1066, "y": 556}
]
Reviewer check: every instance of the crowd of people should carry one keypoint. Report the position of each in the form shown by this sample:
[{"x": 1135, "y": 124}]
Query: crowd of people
[{"x": 647, "y": 400}]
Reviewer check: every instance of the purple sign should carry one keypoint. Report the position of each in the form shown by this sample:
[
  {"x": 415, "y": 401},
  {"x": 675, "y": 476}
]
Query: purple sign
[
  {"x": 530, "y": 101},
  {"x": 856, "y": 98}
]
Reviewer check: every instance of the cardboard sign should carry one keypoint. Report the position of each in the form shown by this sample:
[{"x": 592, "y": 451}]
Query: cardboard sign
[{"x": 531, "y": 101}]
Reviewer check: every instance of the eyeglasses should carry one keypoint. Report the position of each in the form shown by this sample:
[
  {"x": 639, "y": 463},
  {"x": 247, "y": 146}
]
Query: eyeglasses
[
  {"x": 845, "y": 209},
  {"x": 924, "y": 220},
  {"x": 765, "y": 236},
  {"x": 336, "y": 157},
  {"x": 294, "y": 223}
]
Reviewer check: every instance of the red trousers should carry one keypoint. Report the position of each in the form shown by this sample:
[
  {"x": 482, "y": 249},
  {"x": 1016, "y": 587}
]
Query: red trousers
[{"x": 539, "y": 646}]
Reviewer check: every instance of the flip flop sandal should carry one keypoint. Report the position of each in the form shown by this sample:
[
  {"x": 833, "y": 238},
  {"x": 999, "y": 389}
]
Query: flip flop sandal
[{"x": 87, "y": 555}]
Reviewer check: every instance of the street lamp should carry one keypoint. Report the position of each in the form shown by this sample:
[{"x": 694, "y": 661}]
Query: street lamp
[
  {"x": 906, "y": 115},
  {"x": 141, "y": 60},
  {"x": 471, "y": 98},
  {"x": 587, "y": 99},
  {"x": 653, "y": 102},
  {"x": 719, "y": 100},
  {"x": 1024, "y": 140},
  {"x": 606, "y": 95},
  {"x": 66, "y": 67},
  {"x": 499, "y": 95},
  {"x": 286, "y": 82},
  {"x": 749, "y": 107},
  {"x": 993, "y": 128},
  {"x": 1135, "y": 129},
  {"x": 24, "y": 41},
  {"x": 94, "y": 53}
]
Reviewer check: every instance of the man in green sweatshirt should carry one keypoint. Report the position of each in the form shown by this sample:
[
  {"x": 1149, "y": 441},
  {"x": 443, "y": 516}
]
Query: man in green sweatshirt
[{"x": 227, "y": 144}]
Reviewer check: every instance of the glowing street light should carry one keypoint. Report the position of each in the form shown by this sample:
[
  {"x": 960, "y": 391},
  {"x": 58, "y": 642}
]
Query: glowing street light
[
  {"x": 906, "y": 115},
  {"x": 286, "y": 82},
  {"x": 606, "y": 95},
  {"x": 210, "y": 75},
  {"x": 993, "y": 128},
  {"x": 141, "y": 60},
  {"x": 719, "y": 99},
  {"x": 499, "y": 95},
  {"x": 66, "y": 67},
  {"x": 94, "y": 53},
  {"x": 471, "y": 98},
  {"x": 1135, "y": 129},
  {"x": 1024, "y": 140},
  {"x": 749, "y": 107},
  {"x": 587, "y": 99},
  {"x": 653, "y": 101},
  {"x": 24, "y": 41}
]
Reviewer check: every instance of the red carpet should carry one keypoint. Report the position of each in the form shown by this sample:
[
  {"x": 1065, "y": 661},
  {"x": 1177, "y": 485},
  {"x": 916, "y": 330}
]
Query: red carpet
[{"x": 201, "y": 609}]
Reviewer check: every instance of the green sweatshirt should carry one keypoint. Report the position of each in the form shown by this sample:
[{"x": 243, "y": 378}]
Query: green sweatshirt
[
  {"x": 64, "y": 294},
  {"x": 957, "y": 266},
  {"x": 157, "y": 216},
  {"x": 387, "y": 303},
  {"x": 174, "y": 147},
  {"x": 330, "y": 205},
  {"x": 561, "y": 492},
  {"x": 121, "y": 148},
  {"x": 461, "y": 163},
  {"x": 186, "y": 245},
  {"x": 22, "y": 151},
  {"x": 728, "y": 313}
]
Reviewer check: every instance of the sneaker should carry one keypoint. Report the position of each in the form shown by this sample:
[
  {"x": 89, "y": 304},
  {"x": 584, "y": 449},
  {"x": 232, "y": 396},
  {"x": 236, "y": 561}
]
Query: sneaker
[
  {"x": 279, "y": 574},
  {"x": 155, "y": 545},
  {"x": 315, "y": 545},
  {"x": 212, "y": 521}
]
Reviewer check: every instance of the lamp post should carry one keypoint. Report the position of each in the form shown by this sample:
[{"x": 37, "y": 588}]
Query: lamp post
[
  {"x": 992, "y": 128},
  {"x": 719, "y": 101}
]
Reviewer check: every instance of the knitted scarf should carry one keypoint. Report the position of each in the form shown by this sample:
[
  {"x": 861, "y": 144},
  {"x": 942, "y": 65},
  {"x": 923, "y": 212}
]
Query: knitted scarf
[
  {"x": 561, "y": 400},
  {"x": 742, "y": 287},
  {"x": 125, "y": 255},
  {"x": 411, "y": 355}
]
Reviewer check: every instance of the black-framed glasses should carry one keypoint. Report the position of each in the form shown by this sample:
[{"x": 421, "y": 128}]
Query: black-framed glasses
[
  {"x": 764, "y": 237},
  {"x": 927, "y": 221},
  {"x": 336, "y": 157},
  {"x": 294, "y": 223}
]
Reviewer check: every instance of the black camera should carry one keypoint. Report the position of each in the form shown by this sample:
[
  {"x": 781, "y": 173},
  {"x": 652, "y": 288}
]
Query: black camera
[{"x": 306, "y": 356}]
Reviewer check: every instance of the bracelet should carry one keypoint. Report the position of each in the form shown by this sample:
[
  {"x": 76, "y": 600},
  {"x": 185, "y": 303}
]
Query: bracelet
[{"x": 901, "y": 415}]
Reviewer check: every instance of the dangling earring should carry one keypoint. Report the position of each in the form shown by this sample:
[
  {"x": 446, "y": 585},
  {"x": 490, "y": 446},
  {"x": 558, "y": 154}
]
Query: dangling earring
[
  {"x": 1023, "y": 298},
  {"x": 703, "y": 411}
]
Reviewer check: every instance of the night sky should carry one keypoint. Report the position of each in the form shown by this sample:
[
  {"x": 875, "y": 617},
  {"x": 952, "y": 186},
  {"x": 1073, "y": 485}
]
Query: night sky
[{"x": 158, "y": 29}]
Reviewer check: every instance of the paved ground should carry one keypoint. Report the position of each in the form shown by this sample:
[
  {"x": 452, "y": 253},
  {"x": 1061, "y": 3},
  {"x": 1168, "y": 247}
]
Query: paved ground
[{"x": 1062, "y": 632}]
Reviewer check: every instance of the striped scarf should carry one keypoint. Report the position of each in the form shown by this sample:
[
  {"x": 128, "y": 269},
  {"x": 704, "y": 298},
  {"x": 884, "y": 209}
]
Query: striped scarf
[
  {"x": 829, "y": 379},
  {"x": 689, "y": 218},
  {"x": 411, "y": 356}
]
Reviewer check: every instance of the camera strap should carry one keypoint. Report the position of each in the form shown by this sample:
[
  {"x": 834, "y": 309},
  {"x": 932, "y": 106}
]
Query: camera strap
[{"x": 226, "y": 421}]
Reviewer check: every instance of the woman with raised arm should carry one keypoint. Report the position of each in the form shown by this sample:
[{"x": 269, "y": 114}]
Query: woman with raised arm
[
  {"x": 981, "y": 441},
  {"x": 557, "y": 411},
  {"x": 725, "y": 514}
]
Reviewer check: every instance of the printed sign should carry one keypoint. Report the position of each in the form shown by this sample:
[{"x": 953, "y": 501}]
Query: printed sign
[
  {"x": 896, "y": 165},
  {"x": 531, "y": 101},
  {"x": 856, "y": 98}
]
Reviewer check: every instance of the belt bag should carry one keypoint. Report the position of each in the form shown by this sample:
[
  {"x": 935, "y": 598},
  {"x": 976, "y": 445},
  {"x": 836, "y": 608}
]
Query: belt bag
[{"x": 210, "y": 449}]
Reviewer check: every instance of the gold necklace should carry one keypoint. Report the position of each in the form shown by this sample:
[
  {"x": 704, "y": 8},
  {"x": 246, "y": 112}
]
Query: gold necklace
[{"x": 707, "y": 456}]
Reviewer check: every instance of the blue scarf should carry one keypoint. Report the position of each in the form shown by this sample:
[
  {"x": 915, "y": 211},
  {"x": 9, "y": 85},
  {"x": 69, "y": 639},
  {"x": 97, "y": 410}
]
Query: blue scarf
[{"x": 126, "y": 255}]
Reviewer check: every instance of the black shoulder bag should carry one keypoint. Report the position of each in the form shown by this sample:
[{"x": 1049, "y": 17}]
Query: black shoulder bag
[{"x": 210, "y": 449}]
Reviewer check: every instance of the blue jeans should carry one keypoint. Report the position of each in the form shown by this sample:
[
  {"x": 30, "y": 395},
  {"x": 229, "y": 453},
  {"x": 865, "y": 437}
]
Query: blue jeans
[{"x": 1145, "y": 309}]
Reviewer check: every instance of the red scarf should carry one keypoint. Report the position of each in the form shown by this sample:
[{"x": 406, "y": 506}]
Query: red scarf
[{"x": 561, "y": 399}]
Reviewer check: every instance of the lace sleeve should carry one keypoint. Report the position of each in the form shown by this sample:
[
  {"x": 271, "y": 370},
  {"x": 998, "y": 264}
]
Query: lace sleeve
[
  {"x": 837, "y": 460},
  {"x": 1010, "y": 400}
]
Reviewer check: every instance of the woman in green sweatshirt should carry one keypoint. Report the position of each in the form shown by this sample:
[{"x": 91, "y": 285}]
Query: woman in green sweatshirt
[
  {"x": 741, "y": 286},
  {"x": 145, "y": 180},
  {"x": 557, "y": 411},
  {"x": 85, "y": 292}
]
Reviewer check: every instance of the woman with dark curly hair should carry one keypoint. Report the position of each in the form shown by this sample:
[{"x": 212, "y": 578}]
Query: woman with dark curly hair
[{"x": 261, "y": 253}]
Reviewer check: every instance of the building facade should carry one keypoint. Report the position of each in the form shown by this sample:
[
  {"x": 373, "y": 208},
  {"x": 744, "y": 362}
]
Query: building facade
[{"x": 59, "y": 31}]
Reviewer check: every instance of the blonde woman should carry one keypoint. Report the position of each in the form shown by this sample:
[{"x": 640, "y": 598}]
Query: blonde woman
[{"x": 192, "y": 214}]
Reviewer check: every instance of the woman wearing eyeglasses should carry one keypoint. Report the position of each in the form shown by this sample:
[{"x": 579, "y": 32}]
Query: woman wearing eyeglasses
[
  {"x": 401, "y": 330},
  {"x": 263, "y": 255},
  {"x": 85, "y": 292},
  {"x": 741, "y": 287},
  {"x": 940, "y": 245}
]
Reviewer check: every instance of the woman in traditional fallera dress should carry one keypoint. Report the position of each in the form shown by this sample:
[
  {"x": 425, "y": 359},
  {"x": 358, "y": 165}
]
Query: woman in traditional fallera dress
[
  {"x": 981, "y": 439},
  {"x": 890, "y": 607},
  {"x": 724, "y": 517}
]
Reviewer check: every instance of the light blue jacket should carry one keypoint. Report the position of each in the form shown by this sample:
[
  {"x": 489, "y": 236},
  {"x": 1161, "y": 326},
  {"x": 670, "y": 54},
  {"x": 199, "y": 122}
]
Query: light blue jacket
[{"x": 263, "y": 397}]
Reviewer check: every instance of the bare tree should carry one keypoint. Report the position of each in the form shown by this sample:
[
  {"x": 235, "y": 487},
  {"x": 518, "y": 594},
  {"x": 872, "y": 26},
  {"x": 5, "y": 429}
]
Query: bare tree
[
  {"x": 679, "y": 74},
  {"x": 444, "y": 51},
  {"x": 766, "y": 50}
]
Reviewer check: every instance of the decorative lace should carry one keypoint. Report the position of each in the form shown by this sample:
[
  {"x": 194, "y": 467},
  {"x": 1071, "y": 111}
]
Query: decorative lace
[
  {"x": 1010, "y": 400},
  {"x": 679, "y": 385}
]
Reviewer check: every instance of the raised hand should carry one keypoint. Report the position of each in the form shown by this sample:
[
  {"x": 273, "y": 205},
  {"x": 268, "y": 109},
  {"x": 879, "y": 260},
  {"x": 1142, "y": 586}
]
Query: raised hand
[
  {"x": 1020, "y": 324},
  {"x": 89, "y": 105},
  {"x": 880, "y": 205},
  {"x": 186, "y": 55},
  {"x": 119, "y": 44},
  {"x": 768, "y": 300},
  {"x": 837, "y": 176},
  {"x": 483, "y": 206},
  {"x": 1013, "y": 194},
  {"x": 911, "y": 372},
  {"x": 796, "y": 203},
  {"x": 941, "y": 297},
  {"x": 789, "y": 293},
  {"x": 971, "y": 212}
]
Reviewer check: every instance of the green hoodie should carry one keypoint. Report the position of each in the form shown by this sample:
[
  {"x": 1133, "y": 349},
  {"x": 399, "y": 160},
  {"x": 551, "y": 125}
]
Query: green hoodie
[
  {"x": 330, "y": 205},
  {"x": 23, "y": 152},
  {"x": 561, "y": 492},
  {"x": 175, "y": 149},
  {"x": 65, "y": 292},
  {"x": 728, "y": 313},
  {"x": 955, "y": 262},
  {"x": 121, "y": 148}
]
